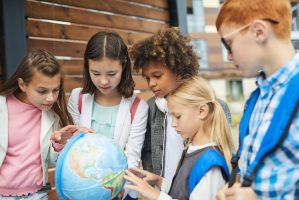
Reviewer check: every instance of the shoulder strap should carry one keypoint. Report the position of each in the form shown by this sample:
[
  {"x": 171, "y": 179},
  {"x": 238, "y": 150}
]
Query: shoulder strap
[
  {"x": 209, "y": 159},
  {"x": 249, "y": 107},
  {"x": 80, "y": 102},
  {"x": 243, "y": 130},
  {"x": 132, "y": 110},
  {"x": 134, "y": 107},
  {"x": 280, "y": 124}
]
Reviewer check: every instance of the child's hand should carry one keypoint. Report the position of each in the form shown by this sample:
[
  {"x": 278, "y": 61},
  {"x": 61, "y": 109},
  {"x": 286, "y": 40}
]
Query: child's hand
[
  {"x": 85, "y": 129},
  {"x": 149, "y": 177},
  {"x": 221, "y": 193},
  {"x": 141, "y": 186},
  {"x": 239, "y": 193},
  {"x": 64, "y": 134}
]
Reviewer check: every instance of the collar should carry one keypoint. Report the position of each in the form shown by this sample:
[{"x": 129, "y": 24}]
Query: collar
[
  {"x": 279, "y": 78},
  {"x": 161, "y": 103}
]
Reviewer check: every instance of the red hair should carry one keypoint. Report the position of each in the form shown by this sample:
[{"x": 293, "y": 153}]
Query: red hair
[{"x": 241, "y": 12}]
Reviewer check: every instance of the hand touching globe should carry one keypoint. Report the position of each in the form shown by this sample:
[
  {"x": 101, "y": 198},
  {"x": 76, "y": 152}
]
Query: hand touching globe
[{"x": 89, "y": 167}]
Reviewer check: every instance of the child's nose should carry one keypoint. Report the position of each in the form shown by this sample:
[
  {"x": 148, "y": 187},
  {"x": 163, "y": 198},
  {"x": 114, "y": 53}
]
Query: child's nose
[
  {"x": 229, "y": 57},
  {"x": 152, "y": 83},
  {"x": 104, "y": 80},
  {"x": 50, "y": 97},
  {"x": 173, "y": 123}
]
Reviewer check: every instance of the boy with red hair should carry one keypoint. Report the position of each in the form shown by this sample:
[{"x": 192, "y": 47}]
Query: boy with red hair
[{"x": 263, "y": 28}]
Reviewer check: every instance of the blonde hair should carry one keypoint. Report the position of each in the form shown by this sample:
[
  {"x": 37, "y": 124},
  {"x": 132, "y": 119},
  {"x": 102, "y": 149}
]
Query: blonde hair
[{"x": 196, "y": 92}]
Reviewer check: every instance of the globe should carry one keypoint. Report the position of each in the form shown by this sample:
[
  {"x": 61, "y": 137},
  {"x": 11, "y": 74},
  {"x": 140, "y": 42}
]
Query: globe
[{"x": 90, "y": 166}]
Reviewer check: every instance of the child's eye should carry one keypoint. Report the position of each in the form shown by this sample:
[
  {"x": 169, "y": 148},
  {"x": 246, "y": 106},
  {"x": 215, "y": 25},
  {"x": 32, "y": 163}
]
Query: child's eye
[
  {"x": 96, "y": 74},
  {"x": 57, "y": 90},
  {"x": 111, "y": 74},
  {"x": 42, "y": 91},
  {"x": 157, "y": 76},
  {"x": 178, "y": 117}
]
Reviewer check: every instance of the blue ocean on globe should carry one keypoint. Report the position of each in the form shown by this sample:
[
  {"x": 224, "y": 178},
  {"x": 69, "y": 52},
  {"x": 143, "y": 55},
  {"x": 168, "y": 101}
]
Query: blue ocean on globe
[{"x": 90, "y": 167}]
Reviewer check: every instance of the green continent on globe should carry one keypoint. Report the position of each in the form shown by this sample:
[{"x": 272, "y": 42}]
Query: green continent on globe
[{"x": 113, "y": 182}]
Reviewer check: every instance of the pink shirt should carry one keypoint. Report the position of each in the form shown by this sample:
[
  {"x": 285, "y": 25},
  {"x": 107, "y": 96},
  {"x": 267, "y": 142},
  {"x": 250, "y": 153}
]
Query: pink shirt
[{"x": 21, "y": 171}]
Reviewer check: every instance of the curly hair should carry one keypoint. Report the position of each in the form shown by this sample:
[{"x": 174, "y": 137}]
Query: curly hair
[{"x": 169, "y": 47}]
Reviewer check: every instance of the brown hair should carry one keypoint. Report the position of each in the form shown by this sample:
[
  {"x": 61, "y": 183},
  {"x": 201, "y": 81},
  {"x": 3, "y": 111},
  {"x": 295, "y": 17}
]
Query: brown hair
[
  {"x": 112, "y": 46},
  {"x": 170, "y": 48},
  {"x": 44, "y": 62},
  {"x": 241, "y": 12}
]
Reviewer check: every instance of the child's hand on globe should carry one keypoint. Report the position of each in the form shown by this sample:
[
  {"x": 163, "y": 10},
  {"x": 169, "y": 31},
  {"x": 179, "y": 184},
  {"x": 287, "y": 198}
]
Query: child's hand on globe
[
  {"x": 151, "y": 178},
  {"x": 64, "y": 134},
  {"x": 85, "y": 130},
  {"x": 61, "y": 136},
  {"x": 141, "y": 185}
]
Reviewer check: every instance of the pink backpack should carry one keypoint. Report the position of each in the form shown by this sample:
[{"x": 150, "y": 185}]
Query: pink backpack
[{"x": 132, "y": 110}]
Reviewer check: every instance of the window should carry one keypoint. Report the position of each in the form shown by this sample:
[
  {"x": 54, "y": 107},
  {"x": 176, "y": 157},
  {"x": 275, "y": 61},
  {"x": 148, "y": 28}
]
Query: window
[
  {"x": 201, "y": 49},
  {"x": 235, "y": 90}
]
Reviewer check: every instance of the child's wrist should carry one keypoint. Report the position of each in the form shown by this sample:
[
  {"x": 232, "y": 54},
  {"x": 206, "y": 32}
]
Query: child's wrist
[
  {"x": 57, "y": 146},
  {"x": 159, "y": 181}
]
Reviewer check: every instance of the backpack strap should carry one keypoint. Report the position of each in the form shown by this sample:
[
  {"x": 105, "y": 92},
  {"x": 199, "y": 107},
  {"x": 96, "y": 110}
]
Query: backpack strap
[
  {"x": 132, "y": 110},
  {"x": 243, "y": 130},
  {"x": 80, "y": 102},
  {"x": 282, "y": 119},
  {"x": 209, "y": 159},
  {"x": 134, "y": 107},
  {"x": 280, "y": 124}
]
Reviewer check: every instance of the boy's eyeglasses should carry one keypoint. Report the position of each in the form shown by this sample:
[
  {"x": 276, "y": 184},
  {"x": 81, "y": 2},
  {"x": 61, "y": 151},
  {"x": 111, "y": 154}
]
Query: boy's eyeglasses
[{"x": 228, "y": 47}]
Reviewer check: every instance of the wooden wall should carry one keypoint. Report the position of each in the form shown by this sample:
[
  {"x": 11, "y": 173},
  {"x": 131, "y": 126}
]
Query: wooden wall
[
  {"x": 64, "y": 27},
  {"x": 1, "y": 50}
]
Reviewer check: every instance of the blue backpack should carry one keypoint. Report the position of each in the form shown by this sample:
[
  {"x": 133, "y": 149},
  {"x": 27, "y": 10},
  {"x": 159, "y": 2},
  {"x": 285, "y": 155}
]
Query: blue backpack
[
  {"x": 282, "y": 119},
  {"x": 210, "y": 158}
]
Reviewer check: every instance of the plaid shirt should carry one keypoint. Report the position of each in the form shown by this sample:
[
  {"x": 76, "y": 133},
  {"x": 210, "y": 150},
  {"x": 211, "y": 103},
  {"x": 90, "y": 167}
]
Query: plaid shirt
[{"x": 278, "y": 175}]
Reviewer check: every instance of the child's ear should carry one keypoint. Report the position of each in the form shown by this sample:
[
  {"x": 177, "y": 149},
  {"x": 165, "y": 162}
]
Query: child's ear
[
  {"x": 204, "y": 111},
  {"x": 261, "y": 30},
  {"x": 22, "y": 84}
]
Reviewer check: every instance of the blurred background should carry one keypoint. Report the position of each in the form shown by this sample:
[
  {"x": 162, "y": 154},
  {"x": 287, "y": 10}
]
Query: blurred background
[{"x": 64, "y": 27}]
